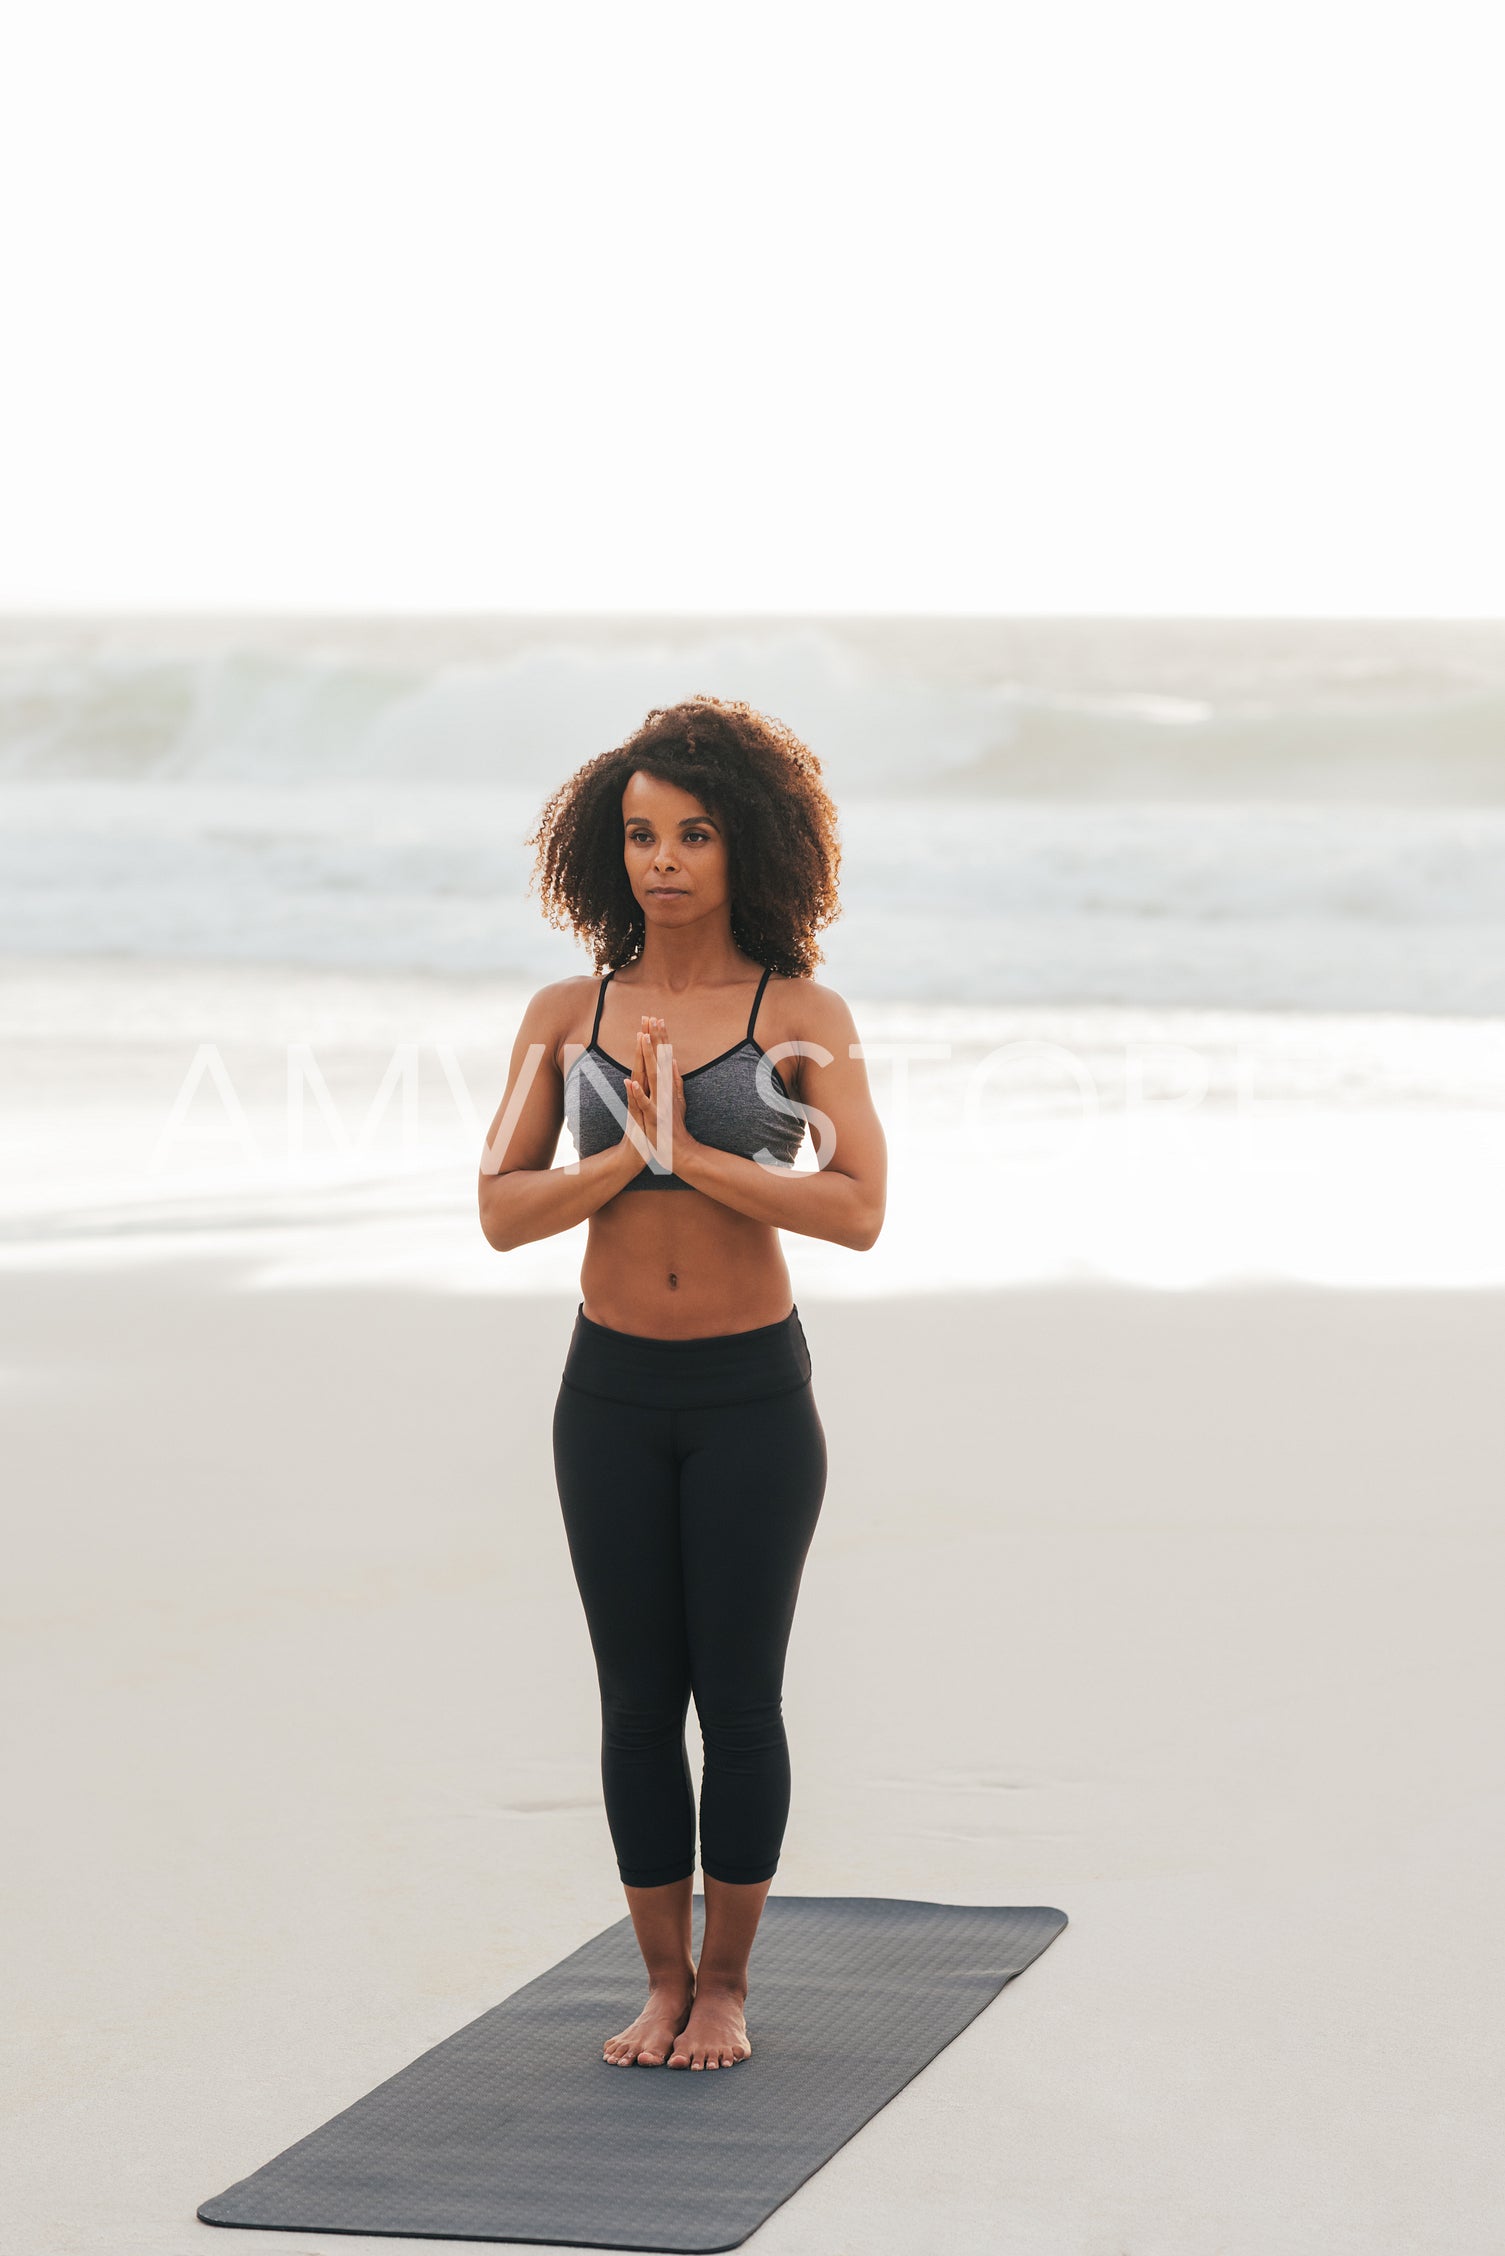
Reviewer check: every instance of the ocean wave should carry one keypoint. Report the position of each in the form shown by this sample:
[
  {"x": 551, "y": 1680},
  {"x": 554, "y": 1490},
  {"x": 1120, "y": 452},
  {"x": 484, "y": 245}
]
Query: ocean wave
[
  {"x": 913, "y": 709},
  {"x": 1260, "y": 906}
]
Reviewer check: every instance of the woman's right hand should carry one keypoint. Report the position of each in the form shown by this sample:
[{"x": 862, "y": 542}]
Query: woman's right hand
[
  {"x": 638, "y": 1116},
  {"x": 653, "y": 1098}
]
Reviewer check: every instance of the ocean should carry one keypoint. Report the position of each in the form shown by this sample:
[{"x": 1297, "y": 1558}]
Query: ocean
[{"x": 1177, "y": 949}]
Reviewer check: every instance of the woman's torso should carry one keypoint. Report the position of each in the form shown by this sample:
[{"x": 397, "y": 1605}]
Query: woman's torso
[{"x": 663, "y": 1259}]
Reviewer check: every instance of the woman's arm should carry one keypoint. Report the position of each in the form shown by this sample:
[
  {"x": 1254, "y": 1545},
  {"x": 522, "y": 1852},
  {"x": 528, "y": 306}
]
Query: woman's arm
[
  {"x": 522, "y": 1194},
  {"x": 845, "y": 1198}
]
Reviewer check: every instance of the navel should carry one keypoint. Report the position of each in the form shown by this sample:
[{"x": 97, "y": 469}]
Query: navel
[{"x": 673, "y": 1279}]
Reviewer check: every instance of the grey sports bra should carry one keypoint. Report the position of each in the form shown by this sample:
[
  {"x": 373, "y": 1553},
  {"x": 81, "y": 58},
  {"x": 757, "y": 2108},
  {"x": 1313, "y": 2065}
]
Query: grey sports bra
[{"x": 724, "y": 1104}]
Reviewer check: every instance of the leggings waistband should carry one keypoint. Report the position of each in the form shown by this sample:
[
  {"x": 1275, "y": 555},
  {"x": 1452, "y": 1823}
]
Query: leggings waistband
[{"x": 687, "y": 1374}]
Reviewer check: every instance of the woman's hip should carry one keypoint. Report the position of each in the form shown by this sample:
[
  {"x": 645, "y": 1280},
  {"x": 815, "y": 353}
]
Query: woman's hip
[{"x": 722, "y": 1369}]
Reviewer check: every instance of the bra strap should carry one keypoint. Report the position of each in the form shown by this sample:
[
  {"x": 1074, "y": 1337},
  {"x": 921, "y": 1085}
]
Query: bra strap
[
  {"x": 600, "y": 999},
  {"x": 752, "y": 1015}
]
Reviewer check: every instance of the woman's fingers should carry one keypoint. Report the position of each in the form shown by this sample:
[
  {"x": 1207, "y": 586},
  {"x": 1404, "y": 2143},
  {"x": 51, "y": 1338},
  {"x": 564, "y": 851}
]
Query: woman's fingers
[{"x": 651, "y": 1033}]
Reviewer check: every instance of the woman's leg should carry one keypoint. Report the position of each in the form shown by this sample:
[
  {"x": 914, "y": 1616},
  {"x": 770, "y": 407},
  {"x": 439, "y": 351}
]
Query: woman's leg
[
  {"x": 751, "y": 1487},
  {"x": 617, "y": 1473}
]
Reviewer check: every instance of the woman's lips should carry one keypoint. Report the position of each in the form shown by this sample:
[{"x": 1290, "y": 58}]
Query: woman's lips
[{"x": 666, "y": 892}]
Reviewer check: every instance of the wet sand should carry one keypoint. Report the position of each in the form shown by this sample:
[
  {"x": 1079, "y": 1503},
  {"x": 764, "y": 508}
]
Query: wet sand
[{"x": 1175, "y": 1610}]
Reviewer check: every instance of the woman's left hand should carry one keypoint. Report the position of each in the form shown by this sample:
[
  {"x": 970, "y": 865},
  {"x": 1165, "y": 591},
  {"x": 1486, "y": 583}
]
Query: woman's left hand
[{"x": 664, "y": 1091}]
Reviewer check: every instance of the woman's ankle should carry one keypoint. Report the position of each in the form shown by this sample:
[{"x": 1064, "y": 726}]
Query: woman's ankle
[
  {"x": 672, "y": 1979},
  {"x": 710, "y": 1982}
]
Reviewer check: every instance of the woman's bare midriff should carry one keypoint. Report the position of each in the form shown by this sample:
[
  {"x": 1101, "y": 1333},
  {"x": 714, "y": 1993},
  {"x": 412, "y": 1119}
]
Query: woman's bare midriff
[{"x": 678, "y": 1265}]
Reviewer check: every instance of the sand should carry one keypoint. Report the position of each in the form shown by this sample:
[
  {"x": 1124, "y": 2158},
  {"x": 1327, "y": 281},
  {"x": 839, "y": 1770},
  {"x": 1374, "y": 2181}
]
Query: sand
[{"x": 1176, "y": 1610}]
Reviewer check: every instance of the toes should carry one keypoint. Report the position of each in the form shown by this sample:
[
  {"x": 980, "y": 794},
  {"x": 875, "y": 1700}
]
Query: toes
[{"x": 695, "y": 2052}]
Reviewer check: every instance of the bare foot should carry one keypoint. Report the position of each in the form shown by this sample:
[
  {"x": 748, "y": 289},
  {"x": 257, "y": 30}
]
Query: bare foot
[
  {"x": 715, "y": 2036},
  {"x": 647, "y": 2040}
]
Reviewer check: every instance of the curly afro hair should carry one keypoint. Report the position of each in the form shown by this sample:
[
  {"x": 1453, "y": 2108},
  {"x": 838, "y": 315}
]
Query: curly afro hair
[{"x": 762, "y": 785}]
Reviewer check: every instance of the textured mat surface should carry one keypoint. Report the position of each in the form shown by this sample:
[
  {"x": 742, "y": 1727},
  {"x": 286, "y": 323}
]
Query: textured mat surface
[{"x": 515, "y": 2128}]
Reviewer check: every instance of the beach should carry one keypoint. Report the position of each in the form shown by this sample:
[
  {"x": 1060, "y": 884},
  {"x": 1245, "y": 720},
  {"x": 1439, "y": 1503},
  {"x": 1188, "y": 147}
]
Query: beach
[
  {"x": 1172, "y": 1609},
  {"x": 1156, "y": 1577},
  {"x": 963, "y": 551}
]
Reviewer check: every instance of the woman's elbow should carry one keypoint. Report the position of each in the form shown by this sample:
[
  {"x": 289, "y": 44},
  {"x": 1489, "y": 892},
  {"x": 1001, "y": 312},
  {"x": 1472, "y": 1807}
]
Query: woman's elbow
[
  {"x": 494, "y": 1210},
  {"x": 865, "y": 1232}
]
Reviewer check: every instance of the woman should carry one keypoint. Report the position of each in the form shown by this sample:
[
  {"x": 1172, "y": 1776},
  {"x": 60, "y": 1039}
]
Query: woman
[{"x": 698, "y": 860}]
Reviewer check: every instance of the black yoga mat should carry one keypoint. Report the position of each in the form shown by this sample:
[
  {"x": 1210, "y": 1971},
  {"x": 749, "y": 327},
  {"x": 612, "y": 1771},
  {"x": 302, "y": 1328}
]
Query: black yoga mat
[{"x": 515, "y": 2128}]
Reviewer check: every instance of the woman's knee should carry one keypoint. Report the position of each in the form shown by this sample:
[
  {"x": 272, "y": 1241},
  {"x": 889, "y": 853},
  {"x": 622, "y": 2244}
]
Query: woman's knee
[
  {"x": 633, "y": 1727},
  {"x": 741, "y": 1731}
]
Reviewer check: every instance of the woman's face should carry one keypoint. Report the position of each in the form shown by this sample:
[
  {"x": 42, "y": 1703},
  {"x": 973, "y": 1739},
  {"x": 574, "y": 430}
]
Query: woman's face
[{"x": 675, "y": 852}]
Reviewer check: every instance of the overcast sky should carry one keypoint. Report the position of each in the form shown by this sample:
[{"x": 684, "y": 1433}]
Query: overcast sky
[{"x": 1130, "y": 307}]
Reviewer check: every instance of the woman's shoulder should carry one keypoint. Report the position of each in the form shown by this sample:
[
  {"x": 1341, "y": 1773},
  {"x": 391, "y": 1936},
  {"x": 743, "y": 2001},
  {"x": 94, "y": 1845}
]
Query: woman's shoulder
[
  {"x": 806, "y": 993},
  {"x": 562, "y": 997},
  {"x": 556, "y": 1013},
  {"x": 810, "y": 1010}
]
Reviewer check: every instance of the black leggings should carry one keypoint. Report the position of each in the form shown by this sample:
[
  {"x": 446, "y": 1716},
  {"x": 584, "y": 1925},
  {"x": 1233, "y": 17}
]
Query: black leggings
[{"x": 691, "y": 1474}]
